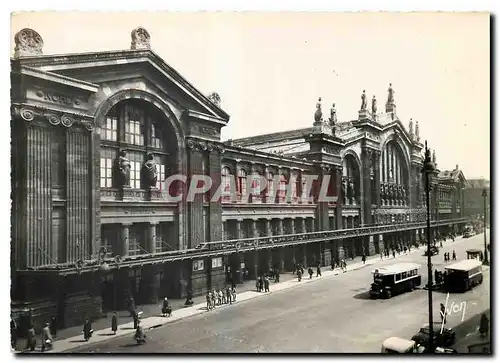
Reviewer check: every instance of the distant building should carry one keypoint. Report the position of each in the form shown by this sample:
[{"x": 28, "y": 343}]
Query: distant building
[{"x": 474, "y": 200}]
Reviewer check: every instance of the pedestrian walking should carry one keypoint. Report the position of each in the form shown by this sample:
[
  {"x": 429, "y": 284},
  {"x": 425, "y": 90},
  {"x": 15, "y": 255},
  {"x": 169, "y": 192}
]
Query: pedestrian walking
[
  {"x": 393, "y": 254},
  {"x": 381, "y": 256},
  {"x": 484, "y": 326},
  {"x": 228, "y": 295},
  {"x": 277, "y": 276},
  {"x": 454, "y": 255},
  {"x": 209, "y": 301},
  {"x": 363, "y": 258},
  {"x": 318, "y": 271},
  {"x": 53, "y": 326},
  {"x": 114, "y": 323},
  {"x": 131, "y": 305},
  {"x": 310, "y": 272},
  {"x": 46, "y": 337},
  {"x": 87, "y": 328},
  {"x": 266, "y": 284},
  {"x": 31, "y": 341}
]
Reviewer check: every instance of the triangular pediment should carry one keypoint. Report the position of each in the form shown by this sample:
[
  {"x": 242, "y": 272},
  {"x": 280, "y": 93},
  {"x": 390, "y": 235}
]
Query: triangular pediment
[{"x": 105, "y": 67}]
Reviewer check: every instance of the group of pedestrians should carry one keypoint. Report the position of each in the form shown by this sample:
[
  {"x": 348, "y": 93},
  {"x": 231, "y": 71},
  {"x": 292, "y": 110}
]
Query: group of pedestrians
[
  {"x": 48, "y": 332},
  {"x": 262, "y": 284},
  {"x": 447, "y": 256},
  {"x": 220, "y": 297}
]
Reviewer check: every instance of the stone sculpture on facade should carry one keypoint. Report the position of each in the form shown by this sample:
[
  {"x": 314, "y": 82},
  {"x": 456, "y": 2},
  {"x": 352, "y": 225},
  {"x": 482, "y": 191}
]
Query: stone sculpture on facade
[
  {"x": 333, "y": 118},
  {"x": 123, "y": 168},
  {"x": 350, "y": 191},
  {"x": 318, "y": 114},
  {"x": 434, "y": 156},
  {"x": 140, "y": 39},
  {"x": 214, "y": 98},
  {"x": 390, "y": 97},
  {"x": 344, "y": 191},
  {"x": 28, "y": 43},
  {"x": 417, "y": 132},
  {"x": 374, "y": 106},
  {"x": 363, "y": 101},
  {"x": 410, "y": 129},
  {"x": 150, "y": 172}
]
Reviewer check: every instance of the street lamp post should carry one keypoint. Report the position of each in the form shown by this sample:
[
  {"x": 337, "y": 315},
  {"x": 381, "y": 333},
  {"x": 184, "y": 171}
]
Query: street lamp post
[
  {"x": 485, "y": 260},
  {"x": 427, "y": 170}
]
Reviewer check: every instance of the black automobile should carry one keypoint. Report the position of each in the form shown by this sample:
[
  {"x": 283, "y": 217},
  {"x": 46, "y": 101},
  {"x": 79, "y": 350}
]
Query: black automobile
[
  {"x": 434, "y": 251},
  {"x": 445, "y": 338}
]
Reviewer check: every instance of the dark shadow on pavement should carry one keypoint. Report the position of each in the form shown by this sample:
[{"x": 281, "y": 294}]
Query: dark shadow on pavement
[
  {"x": 365, "y": 295},
  {"x": 106, "y": 334},
  {"x": 128, "y": 328},
  {"x": 129, "y": 345},
  {"x": 78, "y": 341}
]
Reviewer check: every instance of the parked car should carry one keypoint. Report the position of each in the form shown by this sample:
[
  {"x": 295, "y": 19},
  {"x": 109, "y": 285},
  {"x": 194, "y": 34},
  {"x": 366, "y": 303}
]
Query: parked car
[
  {"x": 445, "y": 338},
  {"x": 434, "y": 251}
]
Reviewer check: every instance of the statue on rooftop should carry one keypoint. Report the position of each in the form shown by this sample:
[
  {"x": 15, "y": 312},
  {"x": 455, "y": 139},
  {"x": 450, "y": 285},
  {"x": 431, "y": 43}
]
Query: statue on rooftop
[
  {"x": 333, "y": 116},
  {"x": 140, "y": 39},
  {"x": 410, "y": 128},
  {"x": 417, "y": 131},
  {"x": 318, "y": 115},
  {"x": 374, "y": 105},
  {"x": 390, "y": 98},
  {"x": 363, "y": 101}
]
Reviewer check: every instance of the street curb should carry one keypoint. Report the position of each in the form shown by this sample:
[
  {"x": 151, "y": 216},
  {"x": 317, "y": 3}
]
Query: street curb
[{"x": 197, "y": 312}]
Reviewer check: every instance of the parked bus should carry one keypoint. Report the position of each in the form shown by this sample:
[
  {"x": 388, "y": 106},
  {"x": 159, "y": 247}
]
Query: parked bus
[
  {"x": 395, "y": 279},
  {"x": 463, "y": 275}
]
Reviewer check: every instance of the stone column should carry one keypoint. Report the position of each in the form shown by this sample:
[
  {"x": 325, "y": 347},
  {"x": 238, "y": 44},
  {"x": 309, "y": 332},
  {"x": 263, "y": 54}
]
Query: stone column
[
  {"x": 303, "y": 226},
  {"x": 269, "y": 231},
  {"x": 151, "y": 247},
  {"x": 238, "y": 233},
  {"x": 255, "y": 230},
  {"x": 338, "y": 185},
  {"x": 281, "y": 253},
  {"x": 292, "y": 226},
  {"x": 313, "y": 226},
  {"x": 125, "y": 239},
  {"x": 376, "y": 167},
  {"x": 366, "y": 165},
  {"x": 280, "y": 227}
]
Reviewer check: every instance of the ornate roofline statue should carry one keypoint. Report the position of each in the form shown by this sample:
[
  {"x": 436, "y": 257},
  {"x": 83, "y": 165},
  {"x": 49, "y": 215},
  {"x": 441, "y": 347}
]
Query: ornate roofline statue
[
  {"x": 333, "y": 116},
  {"x": 390, "y": 97},
  {"x": 434, "y": 156},
  {"x": 363, "y": 101},
  {"x": 417, "y": 131},
  {"x": 318, "y": 114},
  {"x": 374, "y": 105},
  {"x": 140, "y": 39},
  {"x": 410, "y": 128},
  {"x": 28, "y": 43},
  {"x": 214, "y": 98}
]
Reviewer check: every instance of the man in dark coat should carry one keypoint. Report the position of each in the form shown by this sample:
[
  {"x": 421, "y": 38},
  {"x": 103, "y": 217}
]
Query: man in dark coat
[
  {"x": 318, "y": 270},
  {"x": 266, "y": 284},
  {"x": 53, "y": 326},
  {"x": 114, "y": 323},
  {"x": 484, "y": 326},
  {"x": 87, "y": 329},
  {"x": 363, "y": 258},
  {"x": 31, "y": 341}
]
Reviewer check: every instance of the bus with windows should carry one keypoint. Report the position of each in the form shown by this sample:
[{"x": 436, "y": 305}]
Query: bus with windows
[
  {"x": 395, "y": 279},
  {"x": 463, "y": 275}
]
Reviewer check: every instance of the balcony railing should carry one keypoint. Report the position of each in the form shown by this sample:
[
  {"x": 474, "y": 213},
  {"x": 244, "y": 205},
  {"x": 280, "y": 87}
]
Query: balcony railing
[{"x": 211, "y": 249}]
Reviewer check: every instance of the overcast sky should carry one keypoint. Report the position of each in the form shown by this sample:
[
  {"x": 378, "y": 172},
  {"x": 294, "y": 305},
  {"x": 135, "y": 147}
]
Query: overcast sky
[{"x": 270, "y": 68}]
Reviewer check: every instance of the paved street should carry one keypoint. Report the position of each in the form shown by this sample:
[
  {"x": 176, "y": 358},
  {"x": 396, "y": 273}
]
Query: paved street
[{"x": 331, "y": 315}]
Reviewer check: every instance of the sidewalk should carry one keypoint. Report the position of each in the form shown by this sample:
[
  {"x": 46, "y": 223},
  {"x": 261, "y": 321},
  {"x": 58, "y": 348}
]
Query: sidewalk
[{"x": 71, "y": 338}]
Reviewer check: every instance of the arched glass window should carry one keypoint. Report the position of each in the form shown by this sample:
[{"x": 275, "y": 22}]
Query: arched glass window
[
  {"x": 226, "y": 185},
  {"x": 241, "y": 186},
  {"x": 282, "y": 189},
  {"x": 135, "y": 127}
]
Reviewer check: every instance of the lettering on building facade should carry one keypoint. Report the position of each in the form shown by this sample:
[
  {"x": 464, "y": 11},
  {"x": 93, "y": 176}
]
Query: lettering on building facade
[{"x": 57, "y": 98}]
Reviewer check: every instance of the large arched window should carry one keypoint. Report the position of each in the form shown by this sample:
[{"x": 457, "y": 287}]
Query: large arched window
[
  {"x": 138, "y": 128},
  {"x": 226, "y": 185},
  {"x": 394, "y": 175},
  {"x": 351, "y": 181},
  {"x": 241, "y": 186}
]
